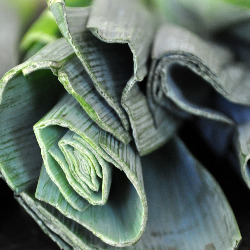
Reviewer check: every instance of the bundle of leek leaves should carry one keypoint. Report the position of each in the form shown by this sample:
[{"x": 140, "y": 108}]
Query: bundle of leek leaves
[{"x": 89, "y": 121}]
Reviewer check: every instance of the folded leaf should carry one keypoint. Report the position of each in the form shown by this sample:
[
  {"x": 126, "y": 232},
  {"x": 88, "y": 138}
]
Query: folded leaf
[
  {"x": 119, "y": 92},
  {"x": 190, "y": 73},
  {"x": 190, "y": 204}
]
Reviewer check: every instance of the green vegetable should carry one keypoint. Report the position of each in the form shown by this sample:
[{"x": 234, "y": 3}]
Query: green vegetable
[{"x": 89, "y": 133}]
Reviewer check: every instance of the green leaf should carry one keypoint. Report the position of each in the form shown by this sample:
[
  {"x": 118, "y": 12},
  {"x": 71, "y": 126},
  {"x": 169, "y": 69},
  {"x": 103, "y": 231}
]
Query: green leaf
[
  {"x": 126, "y": 88},
  {"x": 90, "y": 191},
  {"x": 24, "y": 100},
  {"x": 190, "y": 211},
  {"x": 175, "y": 216},
  {"x": 25, "y": 200},
  {"x": 127, "y": 210},
  {"x": 72, "y": 75},
  {"x": 61, "y": 148},
  {"x": 65, "y": 232},
  {"x": 108, "y": 80},
  {"x": 215, "y": 67},
  {"x": 185, "y": 78}
]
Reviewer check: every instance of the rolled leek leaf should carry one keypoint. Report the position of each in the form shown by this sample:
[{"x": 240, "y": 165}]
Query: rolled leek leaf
[
  {"x": 122, "y": 220},
  {"x": 175, "y": 216},
  {"x": 79, "y": 162}
]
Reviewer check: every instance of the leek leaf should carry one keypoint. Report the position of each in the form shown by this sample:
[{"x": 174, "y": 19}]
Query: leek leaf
[{"x": 175, "y": 217}]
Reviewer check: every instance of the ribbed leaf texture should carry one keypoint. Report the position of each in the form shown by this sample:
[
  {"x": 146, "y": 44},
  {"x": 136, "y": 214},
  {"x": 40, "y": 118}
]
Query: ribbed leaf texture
[{"x": 89, "y": 125}]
